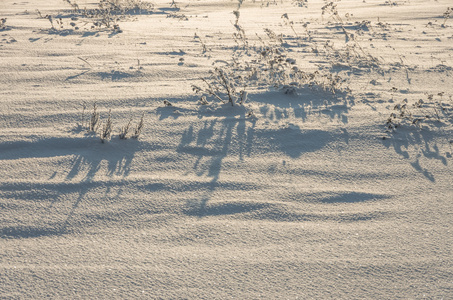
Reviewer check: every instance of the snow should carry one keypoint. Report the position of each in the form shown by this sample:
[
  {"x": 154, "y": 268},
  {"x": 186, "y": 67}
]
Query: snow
[{"x": 297, "y": 195}]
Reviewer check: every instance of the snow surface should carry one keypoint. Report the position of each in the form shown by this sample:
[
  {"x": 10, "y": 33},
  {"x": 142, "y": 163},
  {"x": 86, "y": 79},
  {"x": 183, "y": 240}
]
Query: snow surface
[{"x": 310, "y": 197}]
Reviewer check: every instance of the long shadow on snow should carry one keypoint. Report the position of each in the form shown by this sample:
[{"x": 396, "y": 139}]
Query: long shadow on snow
[
  {"x": 232, "y": 134},
  {"x": 67, "y": 207},
  {"x": 89, "y": 154},
  {"x": 216, "y": 139},
  {"x": 89, "y": 157},
  {"x": 304, "y": 103},
  {"x": 23, "y": 231},
  {"x": 223, "y": 209},
  {"x": 57, "y": 209},
  {"x": 25, "y": 195},
  {"x": 422, "y": 143},
  {"x": 352, "y": 197},
  {"x": 280, "y": 212},
  {"x": 115, "y": 75},
  {"x": 52, "y": 216},
  {"x": 235, "y": 135}
]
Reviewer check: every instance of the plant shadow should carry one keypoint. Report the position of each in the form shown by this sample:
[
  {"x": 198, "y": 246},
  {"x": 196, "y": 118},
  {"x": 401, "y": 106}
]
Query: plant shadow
[
  {"x": 23, "y": 231},
  {"x": 414, "y": 144},
  {"x": 58, "y": 211},
  {"x": 89, "y": 154},
  {"x": 114, "y": 75},
  {"x": 233, "y": 134},
  {"x": 352, "y": 197},
  {"x": 303, "y": 104},
  {"x": 90, "y": 159}
]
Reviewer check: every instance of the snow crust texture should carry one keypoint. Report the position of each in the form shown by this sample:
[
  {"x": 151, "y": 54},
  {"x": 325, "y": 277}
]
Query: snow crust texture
[{"x": 332, "y": 180}]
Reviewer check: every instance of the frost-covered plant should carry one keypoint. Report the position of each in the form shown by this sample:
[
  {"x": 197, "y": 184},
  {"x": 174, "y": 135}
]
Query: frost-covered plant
[
  {"x": 331, "y": 8},
  {"x": 272, "y": 36},
  {"x": 276, "y": 68},
  {"x": 174, "y": 5},
  {"x": 220, "y": 85},
  {"x": 94, "y": 120},
  {"x": 351, "y": 53},
  {"x": 203, "y": 100},
  {"x": 115, "y": 7},
  {"x": 289, "y": 23},
  {"x": 239, "y": 36},
  {"x": 124, "y": 131},
  {"x": 228, "y": 84},
  {"x": 107, "y": 128},
  {"x": 420, "y": 112},
  {"x": 138, "y": 129},
  {"x": 56, "y": 23},
  {"x": 400, "y": 114},
  {"x": 269, "y": 65},
  {"x": 50, "y": 18},
  {"x": 82, "y": 117},
  {"x": 109, "y": 12},
  {"x": 441, "y": 110}
]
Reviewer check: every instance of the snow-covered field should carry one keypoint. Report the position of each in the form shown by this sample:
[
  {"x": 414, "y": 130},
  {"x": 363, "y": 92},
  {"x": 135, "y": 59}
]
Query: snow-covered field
[{"x": 304, "y": 191}]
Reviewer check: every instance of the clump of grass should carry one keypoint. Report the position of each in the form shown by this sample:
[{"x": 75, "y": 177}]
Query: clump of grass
[
  {"x": 108, "y": 13},
  {"x": 127, "y": 130},
  {"x": 218, "y": 85},
  {"x": 420, "y": 112},
  {"x": 107, "y": 128},
  {"x": 94, "y": 120},
  {"x": 352, "y": 53},
  {"x": 82, "y": 124},
  {"x": 124, "y": 131},
  {"x": 270, "y": 64},
  {"x": 139, "y": 128}
]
